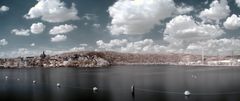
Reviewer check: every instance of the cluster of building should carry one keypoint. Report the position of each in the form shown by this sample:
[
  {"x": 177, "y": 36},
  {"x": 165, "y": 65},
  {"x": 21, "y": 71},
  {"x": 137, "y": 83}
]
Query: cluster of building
[
  {"x": 210, "y": 60},
  {"x": 73, "y": 60}
]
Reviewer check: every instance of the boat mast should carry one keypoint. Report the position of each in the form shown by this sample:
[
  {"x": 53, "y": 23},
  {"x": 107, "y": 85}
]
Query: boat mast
[{"x": 202, "y": 55}]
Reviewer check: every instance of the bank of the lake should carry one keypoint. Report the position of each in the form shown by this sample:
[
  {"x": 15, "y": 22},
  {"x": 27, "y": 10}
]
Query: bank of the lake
[{"x": 107, "y": 59}]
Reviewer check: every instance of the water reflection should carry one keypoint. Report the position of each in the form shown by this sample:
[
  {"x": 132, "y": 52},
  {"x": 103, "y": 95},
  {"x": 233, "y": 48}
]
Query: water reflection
[{"x": 152, "y": 83}]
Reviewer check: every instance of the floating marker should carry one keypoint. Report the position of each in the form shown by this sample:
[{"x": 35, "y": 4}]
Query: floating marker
[
  {"x": 95, "y": 89},
  {"x": 194, "y": 76},
  {"x": 187, "y": 93},
  {"x": 18, "y": 79},
  {"x": 34, "y": 82},
  {"x": 133, "y": 90},
  {"x": 6, "y": 77},
  {"x": 58, "y": 85}
]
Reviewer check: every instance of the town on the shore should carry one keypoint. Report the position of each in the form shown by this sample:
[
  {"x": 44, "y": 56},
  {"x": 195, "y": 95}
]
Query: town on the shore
[{"x": 108, "y": 58}]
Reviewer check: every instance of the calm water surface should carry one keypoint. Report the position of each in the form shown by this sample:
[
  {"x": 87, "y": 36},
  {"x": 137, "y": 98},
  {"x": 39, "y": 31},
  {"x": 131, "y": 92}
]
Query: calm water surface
[{"x": 152, "y": 83}]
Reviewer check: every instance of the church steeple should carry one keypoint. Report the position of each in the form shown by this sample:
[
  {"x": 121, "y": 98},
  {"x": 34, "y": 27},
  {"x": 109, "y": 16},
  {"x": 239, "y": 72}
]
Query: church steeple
[{"x": 43, "y": 55}]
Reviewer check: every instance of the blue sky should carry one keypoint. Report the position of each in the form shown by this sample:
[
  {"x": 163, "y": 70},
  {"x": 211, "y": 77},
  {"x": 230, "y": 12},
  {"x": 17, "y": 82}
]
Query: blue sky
[{"x": 139, "y": 26}]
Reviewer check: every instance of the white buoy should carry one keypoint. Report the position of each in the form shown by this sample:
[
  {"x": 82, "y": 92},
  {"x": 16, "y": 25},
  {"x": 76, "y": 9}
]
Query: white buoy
[
  {"x": 18, "y": 79},
  {"x": 133, "y": 90},
  {"x": 58, "y": 85},
  {"x": 187, "y": 93},
  {"x": 6, "y": 77},
  {"x": 34, "y": 82},
  {"x": 95, "y": 88},
  {"x": 194, "y": 76}
]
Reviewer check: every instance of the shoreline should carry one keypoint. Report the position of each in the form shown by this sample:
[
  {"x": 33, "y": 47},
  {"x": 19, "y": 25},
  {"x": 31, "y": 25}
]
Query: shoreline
[
  {"x": 173, "y": 64},
  {"x": 92, "y": 59},
  {"x": 125, "y": 64}
]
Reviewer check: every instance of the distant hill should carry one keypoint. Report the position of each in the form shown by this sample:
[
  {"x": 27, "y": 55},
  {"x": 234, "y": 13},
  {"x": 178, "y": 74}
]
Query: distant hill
[{"x": 106, "y": 59}]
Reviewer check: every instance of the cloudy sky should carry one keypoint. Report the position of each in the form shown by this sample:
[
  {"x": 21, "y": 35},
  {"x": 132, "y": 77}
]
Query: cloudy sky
[{"x": 139, "y": 26}]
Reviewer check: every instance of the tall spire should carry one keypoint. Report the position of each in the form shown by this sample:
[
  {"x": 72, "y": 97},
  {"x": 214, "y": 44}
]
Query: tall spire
[
  {"x": 203, "y": 56},
  {"x": 43, "y": 55}
]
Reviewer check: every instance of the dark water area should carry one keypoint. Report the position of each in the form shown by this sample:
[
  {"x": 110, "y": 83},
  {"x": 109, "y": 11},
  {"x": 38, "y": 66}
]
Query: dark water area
[{"x": 152, "y": 83}]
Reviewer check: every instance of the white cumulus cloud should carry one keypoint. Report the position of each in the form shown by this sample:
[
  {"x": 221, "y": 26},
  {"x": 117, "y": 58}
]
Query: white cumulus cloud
[
  {"x": 238, "y": 2},
  {"x": 132, "y": 17},
  {"x": 232, "y": 22},
  {"x": 4, "y": 8},
  {"x": 74, "y": 49},
  {"x": 89, "y": 16},
  {"x": 59, "y": 38},
  {"x": 52, "y": 11},
  {"x": 96, "y": 25},
  {"x": 184, "y": 29},
  {"x": 21, "y": 32},
  {"x": 184, "y": 9},
  {"x": 113, "y": 43},
  {"x": 215, "y": 46},
  {"x": 211, "y": 47},
  {"x": 37, "y": 28},
  {"x": 32, "y": 44},
  {"x": 123, "y": 45},
  {"x": 139, "y": 46},
  {"x": 61, "y": 29},
  {"x": 218, "y": 10},
  {"x": 3, "y": 42}
]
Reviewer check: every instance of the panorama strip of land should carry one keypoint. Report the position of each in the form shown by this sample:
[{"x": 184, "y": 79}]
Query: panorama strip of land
[{"x": 109, "y": 58}]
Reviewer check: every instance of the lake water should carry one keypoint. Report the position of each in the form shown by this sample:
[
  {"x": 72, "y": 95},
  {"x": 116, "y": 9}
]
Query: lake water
[{"x": 152, "y": 83}]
